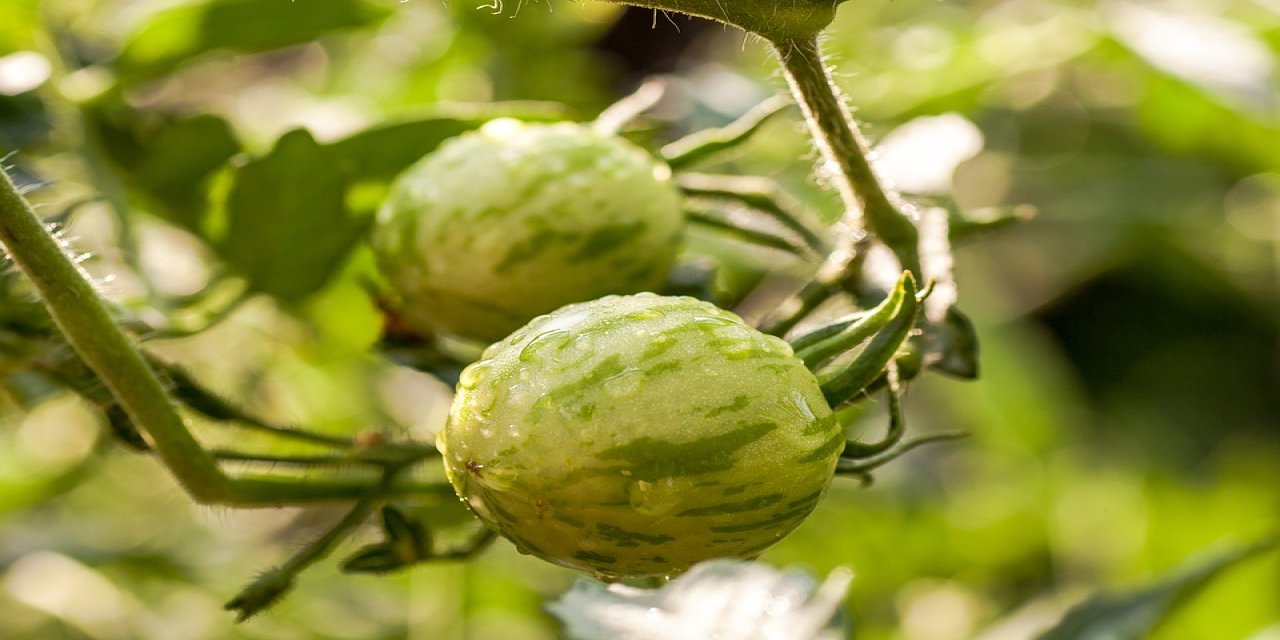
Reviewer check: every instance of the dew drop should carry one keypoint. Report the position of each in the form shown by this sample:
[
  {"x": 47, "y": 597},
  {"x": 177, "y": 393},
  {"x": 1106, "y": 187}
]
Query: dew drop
[
  {"x": 658, "y": 497},
  {"x": 624, "y": 384},
  {"x": 556, "y": 339},
  {"x": 472, "y": 375}
]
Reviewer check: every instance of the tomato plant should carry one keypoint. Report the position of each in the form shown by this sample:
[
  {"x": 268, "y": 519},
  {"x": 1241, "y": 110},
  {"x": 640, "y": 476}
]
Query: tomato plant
[
  {"x": 237, "y": 251},
  {"x": 490, "y": 229}
]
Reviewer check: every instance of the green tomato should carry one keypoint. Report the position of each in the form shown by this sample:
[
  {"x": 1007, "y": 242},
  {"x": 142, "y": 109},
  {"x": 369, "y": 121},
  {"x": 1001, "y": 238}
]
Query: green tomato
[
  {"x": 639, "y": 435},
  {"x": 515, "y": 220}
]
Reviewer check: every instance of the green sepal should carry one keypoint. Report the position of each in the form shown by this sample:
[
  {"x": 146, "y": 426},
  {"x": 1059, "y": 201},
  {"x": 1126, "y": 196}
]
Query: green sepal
[
  {"x": 964, "y": 226},
  {"x": 808, "y": 340},
  {"x": 406, "y": 542},
  {"x": 407, "y": 537},
  {"x": 374, "y": 558},
  {"x": 845, "y": 384},
  {"x": 825, "y": 343},
  {"x": 701, "y": 215},
  {"x": 897, "y": 423}
]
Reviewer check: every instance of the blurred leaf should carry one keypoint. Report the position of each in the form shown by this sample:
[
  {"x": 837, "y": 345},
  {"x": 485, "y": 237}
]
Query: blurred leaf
[
  {"x": 1186, "y": 120},
  {"x": 181, "y": 157},
  {"x": 953, "y": 344},
  {"x": 175, "y": 36},
  {"x": 1112, "y": 617},
  {"x": 717, "y": 599},
  {"x": 378, "y": 154},
  {"x": 288, "y": 227},
  {"x": 24, "y": 121},
  {"x": 19, "y": 22},
  {"x": 169, "y": 162}
]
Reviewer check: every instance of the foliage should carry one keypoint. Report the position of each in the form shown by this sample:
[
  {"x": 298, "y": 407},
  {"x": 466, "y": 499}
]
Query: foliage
[{"x": 1126, "y": 415}]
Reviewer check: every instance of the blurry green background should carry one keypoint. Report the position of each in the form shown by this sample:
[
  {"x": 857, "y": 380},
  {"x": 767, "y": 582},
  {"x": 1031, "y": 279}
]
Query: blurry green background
[{"x": 1128, "y": 413}]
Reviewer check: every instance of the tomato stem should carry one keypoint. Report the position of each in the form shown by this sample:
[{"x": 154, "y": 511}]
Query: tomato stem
[
  {"x": 867, "y": 202},
  {"x": 625, "y": 111},
  {"x": 273, "y": 584},
  {"x": 861, "y": 468},
  {"x": 701, "y": 214},
  {"x": 706, "y": 143},
  {"x": 758, "y": 195},
  {"x": 85, "y": 320},
  {"x": 897, "y": 423}
]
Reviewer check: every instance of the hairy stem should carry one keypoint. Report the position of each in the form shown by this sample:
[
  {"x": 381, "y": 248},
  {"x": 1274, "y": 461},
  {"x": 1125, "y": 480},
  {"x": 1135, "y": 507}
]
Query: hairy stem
[
  {"x": 274, "y": 490},
  {"x": 867, "y": 203},
  {"x": 84, "y": 319},
  {"x": 272, "y": 585}
]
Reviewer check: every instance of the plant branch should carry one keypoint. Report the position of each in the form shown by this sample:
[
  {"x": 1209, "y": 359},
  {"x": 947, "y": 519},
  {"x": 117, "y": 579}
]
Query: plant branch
[
  {"x": 867, "y": 203},
  {"x": 273, "y": 584},
  {"x": 85, "y": 320}
]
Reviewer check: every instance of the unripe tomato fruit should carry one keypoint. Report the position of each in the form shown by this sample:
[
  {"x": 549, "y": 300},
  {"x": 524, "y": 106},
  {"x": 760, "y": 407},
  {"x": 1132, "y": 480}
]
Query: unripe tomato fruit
[
  {"x": 639, "y": 435},
  {"x": 515, "y": 220}
]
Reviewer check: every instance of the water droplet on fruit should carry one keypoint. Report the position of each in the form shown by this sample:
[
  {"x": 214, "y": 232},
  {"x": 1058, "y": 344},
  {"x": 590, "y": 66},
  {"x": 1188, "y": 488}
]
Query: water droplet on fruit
[
  {"x": 556, "y": 339},
  {"x": 624, "y": 384},
  {"x": 658, "y": 497},
  {"x": 798, "y": 400},
  {"x": 472, "y": 375}
]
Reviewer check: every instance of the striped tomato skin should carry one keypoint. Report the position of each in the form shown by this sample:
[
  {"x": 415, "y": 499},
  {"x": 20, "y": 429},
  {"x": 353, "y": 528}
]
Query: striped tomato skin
[
  {"x": 514, "y": 220},
  {"x": 639, "y": 435}
]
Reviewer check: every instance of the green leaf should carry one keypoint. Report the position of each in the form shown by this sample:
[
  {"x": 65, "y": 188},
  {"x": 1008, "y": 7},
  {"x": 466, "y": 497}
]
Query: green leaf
[
  {"x": 175, "y": 36},
  {"x": 25, "y": 121},
  {"x": 288, "y": 227},
  {"x": 170, "y": 163},
  {"x": 1135, "y": 615}
]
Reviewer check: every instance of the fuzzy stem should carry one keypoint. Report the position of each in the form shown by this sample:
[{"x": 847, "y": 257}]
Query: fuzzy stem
[
  {"x": 274, "y": 490},
  {"x": 838, "y": 139},
  {"x": 758, "y": 194},
  {"x": 84, "y": 319},
  {"x": 272, "y": 585},
  {"x": 699, "y": 216}
]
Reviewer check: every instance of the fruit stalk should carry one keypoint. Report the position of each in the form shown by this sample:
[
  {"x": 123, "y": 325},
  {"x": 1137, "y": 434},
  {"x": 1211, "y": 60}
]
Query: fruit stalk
[
  {"x": 867, "y": 203},
  {"x": 87, "y": 324}
]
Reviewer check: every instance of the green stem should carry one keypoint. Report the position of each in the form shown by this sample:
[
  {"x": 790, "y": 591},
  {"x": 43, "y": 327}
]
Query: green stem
[
  {"x": 839, "y": 267},
  {"x": 273, "y": 584},
  {"x": 266, "y": 491},
  {"x": 704, "y": 144},
  {"x": 291, "y": 460},
  {"x": 860, "y": 468},
  {"x": 897, "y": 423},
  {"x": 758, "y": 194},
  {"x": 188, "y": 391},
  {"x": 697, "y": 216},
  {"x": 838, "y": 139},
  {"x": 85, "y": 321}
]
